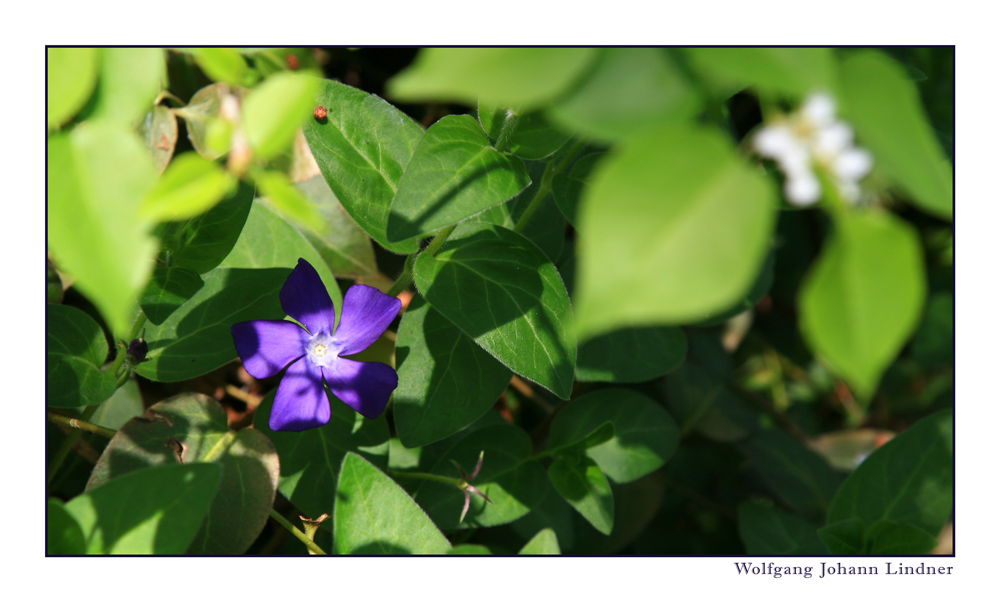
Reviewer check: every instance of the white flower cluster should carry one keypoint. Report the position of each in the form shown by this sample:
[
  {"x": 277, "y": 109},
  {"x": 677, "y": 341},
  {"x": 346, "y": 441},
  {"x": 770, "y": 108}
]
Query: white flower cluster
[{"x": 813, "y": 137}]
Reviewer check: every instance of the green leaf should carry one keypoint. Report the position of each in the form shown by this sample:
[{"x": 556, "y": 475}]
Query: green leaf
[
  {"x": 269, "y": 241},
  {"x": 763, "y": 283},
  {"x": 361, "y": 148},
  {"x": 567, "y": 189},
  {"x": 551, "y": 513},
  {"x": 863, "y": 297},
  {"x": 222, "y": 65},
  {"x": 289, "y": 200},
  {"x": 153, "y": 511},
  {"x": 884, "y": 106},
  {"x": 545, "y": 543},
  {"x": 893, "y": 539},
  {"x": 645, "y": 436},
  {"x": 168, "y": 289},
  {"x": 201, "y": 113},
  {"x": 201, "y": 244},
  {"x": 679, "y": 204},
  {"x": 769, "y": 531},
  {"x": 512, "y": 77},
  {"x": 446, "y": 381},
  {"x": 791, "y": 71},
  {"x": 510, "y": 477},
  {"x": 629, "y": 90},
  {"x": 192, "y": 428},
  {"x": 97, "y": 176},
  {"x": 793, "y": 472},
  {"x": 345, "y": 248},
  {"x": 195, "y": 338},
  {"x": 631, "y": 355},
  {"x": 159, "y": 131},
  {"x": 374, "y": 515},
  {"x": 454, "y": 174},
  {"x": 63, "y": 533},
  {"x": 310, "y": 460},
  {"x": 190, "y": 186},
  {"x": 276, "y": 109},
  {"x": 581, "y": 483},
  {"x": 130, "y": 80},
  {"x": 908, "y": 480},
  {"x": 75, "y": 350},
  {"x": 71, "y": 76},
  {"x": 125, "y": 404},
  {"x": 529, "y": 135},
  {"x": 845, "y": 537},
  {"x": 499, "y": 289},
  {"x": 547, "y": 228}
]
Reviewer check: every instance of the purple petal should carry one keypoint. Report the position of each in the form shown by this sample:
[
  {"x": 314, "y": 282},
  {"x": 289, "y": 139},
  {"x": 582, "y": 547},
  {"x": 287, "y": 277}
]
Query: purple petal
[
  {"x": 367, "y": 312},
  {"x": 304, "y": 298},
  {"x": 300, "y": 402},
  {"x": 267, "y": 346},
  {"x": 364, "y": 386}
]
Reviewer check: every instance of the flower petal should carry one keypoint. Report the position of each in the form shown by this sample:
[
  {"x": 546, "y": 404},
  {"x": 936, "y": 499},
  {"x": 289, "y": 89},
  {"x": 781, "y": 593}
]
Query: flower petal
[
  {"x": 366, "y": 314},
  {"x": 300, "y": 402},
  {"x": 304, "y": 298},
  {"x": 364, "y": 386},
  {"x": 267, "y": 346}
]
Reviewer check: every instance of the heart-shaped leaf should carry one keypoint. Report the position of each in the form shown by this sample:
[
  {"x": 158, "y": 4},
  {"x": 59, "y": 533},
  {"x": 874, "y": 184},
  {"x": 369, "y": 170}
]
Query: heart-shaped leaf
[
  {"x": 189, "y": 429},
  {"x": 863, "y": 297},
  {"x": 374, "y": 515},
  {"x": 362, "y": 146},
  {"x": 76, "y": 349},
  {"x": 645, "y": 436},
  {"x": 446, "y": 381},
  {"x": 676, "y": 202},
  {"x": 454, "y": 174},
  {"x": 157, "y": 510},
  {"x": 501, "y": 291}
]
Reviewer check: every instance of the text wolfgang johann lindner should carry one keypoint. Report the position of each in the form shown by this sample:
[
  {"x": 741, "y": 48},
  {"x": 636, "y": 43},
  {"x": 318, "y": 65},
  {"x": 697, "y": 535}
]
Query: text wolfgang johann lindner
[{"x": 824, "y": 569}]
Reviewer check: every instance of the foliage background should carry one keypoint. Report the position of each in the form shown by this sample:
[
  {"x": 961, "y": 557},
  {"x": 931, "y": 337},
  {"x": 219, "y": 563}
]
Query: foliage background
[{"x": 971, "y": 245}]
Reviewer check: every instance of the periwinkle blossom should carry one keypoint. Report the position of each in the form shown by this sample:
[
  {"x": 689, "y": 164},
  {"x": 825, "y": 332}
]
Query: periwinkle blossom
[
  {"x": 813, "y": 137},
  {"x": 316, "y": 354}
]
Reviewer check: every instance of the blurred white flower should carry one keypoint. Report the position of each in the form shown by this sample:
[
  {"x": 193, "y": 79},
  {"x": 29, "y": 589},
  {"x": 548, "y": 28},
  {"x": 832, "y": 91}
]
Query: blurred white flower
[{"x": 813, "y": 138}]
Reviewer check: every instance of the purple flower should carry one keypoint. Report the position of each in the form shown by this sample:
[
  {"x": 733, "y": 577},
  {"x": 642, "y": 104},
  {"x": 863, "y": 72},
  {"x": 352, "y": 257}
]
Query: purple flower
[{"x": 315, "y": 355}]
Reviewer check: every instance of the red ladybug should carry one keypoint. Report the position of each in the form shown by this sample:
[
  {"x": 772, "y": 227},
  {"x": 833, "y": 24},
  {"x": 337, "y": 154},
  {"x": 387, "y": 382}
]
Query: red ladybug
[{"x": 319, "y": 112}]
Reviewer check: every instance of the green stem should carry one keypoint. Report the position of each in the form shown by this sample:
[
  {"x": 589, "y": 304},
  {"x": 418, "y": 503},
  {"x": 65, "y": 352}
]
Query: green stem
[
  {"x": 404, "y": 279},
  {"x": 423, "y": 475},
  {"x": 315, "y": 549},
  {"x": 68, "y": 443},
  {"x": 438, "y": 240},
  {"x": 82, "y": 425},
  {"x": 545, "y": 187}
]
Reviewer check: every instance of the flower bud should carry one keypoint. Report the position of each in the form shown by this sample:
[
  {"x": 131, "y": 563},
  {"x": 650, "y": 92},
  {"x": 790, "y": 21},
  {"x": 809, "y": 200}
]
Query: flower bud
[{"x": 137, "y": 350}]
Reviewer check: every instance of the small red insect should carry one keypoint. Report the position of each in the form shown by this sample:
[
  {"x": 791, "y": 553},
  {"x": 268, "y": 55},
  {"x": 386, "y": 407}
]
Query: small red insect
[
  {"x": 319, "y": 112},
  {"x": 293, "y": 61}
]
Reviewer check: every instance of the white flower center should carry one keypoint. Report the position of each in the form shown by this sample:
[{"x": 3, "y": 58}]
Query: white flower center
[{"x": 320, "y": 349}]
